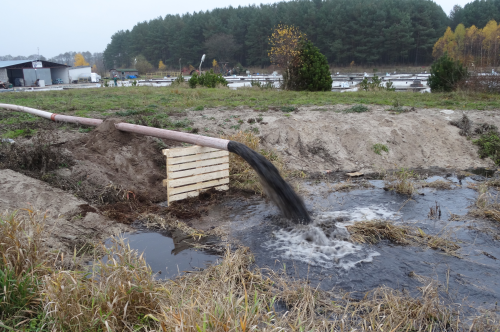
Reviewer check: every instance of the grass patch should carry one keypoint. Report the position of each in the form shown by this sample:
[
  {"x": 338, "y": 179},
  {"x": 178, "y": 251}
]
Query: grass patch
[
  {"x": 489, "y": 146},
  {"x": 178, "y": 98},
  {"x": 378, "y": 148},
  {"x": 356, "y": 109},
  {"x": 374, "y": 231},
  {"x": 438, "y": 184},
  {"x": 486, "y": 205},
  {"x": 19, "y": 133},
  {"x": 402, "y": 181}
]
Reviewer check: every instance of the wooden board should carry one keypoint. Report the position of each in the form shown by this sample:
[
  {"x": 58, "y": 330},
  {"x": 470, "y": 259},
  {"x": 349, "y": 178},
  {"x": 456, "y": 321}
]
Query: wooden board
[{"x": 194, "y": 169}]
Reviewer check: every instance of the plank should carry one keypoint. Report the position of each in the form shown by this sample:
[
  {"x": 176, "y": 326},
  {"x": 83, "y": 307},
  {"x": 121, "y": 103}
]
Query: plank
[
  {"x": 197, "y": 178},
  {"x": 200, "y": 163},
  {"x": 179, "y": 160},
  {"x": 196, "y": 186},
  {"x": 178, "y": 152},
  {"x": 192, "y": 194},
  {"x": 196, "y": 171}
]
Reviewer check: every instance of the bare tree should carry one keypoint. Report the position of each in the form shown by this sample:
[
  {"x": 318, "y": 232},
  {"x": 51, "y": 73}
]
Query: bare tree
[{"x": 221, "y": 47}]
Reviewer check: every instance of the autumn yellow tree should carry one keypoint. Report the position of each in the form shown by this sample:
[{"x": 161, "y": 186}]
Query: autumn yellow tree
[
  {"x": 80, "y": 60},
  {"x": 472, "y": 46},
  {"x": 162, "y": 66},
  {"x": 284, "y": 42}
]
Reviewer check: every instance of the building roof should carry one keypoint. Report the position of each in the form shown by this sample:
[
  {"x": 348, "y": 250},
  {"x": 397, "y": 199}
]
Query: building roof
[
  {"x": 9, "y": 63},
  {"x": 27, "y": 64}
]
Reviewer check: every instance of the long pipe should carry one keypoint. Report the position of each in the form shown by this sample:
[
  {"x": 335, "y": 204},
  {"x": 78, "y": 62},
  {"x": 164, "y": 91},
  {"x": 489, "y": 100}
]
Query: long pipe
[{"x": 212, "y": 142}]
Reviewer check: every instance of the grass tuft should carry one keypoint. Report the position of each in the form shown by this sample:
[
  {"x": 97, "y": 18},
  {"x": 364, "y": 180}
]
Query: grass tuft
[
  {"x": 403, "y": 182},
  {"x": 374, "y": 231},
  {"x": 378, "y": 148},
  {"x": 356, "y": 109}
]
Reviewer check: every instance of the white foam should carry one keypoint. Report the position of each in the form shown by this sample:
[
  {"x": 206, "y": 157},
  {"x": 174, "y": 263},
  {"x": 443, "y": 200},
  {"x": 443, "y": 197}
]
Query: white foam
[{"x": 325, "y": 242}]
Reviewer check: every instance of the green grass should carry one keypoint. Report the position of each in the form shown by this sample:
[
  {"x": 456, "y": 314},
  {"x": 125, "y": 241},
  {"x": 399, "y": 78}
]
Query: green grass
[
  {"x": 356, "y": 109},
  {"x": 489, "y": 146},
  {"x": 18, "y": 133},
  {"x": 378, "y": 148},
  {"x": 178, "y": 99}
]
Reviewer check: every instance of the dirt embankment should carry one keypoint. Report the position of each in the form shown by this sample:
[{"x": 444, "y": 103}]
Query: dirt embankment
[{"x": 325, "y": 138}]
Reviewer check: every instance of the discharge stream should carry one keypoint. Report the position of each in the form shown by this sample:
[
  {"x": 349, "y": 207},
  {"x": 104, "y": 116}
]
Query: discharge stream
[{"x": 282, "y": 194}]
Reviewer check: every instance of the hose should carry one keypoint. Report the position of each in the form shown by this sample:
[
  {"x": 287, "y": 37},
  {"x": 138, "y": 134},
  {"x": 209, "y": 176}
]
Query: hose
[{"x": 212, "y": 142}]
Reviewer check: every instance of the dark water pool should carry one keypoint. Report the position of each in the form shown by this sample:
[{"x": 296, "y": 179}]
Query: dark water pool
[
  {"x": 167, "y": 260},
  {"x": 323, "y": 255}
]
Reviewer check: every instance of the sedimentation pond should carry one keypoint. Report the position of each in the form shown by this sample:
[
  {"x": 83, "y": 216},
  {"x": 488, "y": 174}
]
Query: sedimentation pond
[{"x": 324, "y": 254}]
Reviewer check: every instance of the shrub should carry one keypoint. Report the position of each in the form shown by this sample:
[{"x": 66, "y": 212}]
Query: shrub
[
  {"x": 376, "y": 84},
  {"x": 357, "y": 109},
  {"x": 489, "y": 146},
  {"x": 314, "y": 72},
  {"x": 208, "y": 79},
  {"x": 445, "y": 74},
  {"x": 378, "y": 148}
]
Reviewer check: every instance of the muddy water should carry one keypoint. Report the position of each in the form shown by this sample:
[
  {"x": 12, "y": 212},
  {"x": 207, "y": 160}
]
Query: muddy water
[
  {"x": 322, "y": 253},
  {"x": 167, "y": 260}
]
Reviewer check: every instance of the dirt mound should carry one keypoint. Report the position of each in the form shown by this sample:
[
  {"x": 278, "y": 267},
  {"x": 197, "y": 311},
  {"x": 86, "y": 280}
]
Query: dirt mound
[{"x": 131, "y": 164}]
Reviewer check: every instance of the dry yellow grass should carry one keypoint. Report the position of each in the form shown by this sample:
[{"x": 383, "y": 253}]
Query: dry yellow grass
[
  {"x": 119, "y": 294},
  {"x": 403, "y": 182},
  {"x": 242, "y": 175},
  {"x": 487, "y": 205},
  {"x": 374, "y": 231}
]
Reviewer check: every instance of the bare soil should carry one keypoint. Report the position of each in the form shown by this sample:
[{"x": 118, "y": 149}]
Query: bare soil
[{"x": 327, "y": 139}]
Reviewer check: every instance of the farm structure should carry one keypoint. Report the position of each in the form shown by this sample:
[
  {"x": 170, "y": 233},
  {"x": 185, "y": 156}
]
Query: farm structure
[
  {"x": 27, "y": 72},
  {"x": 122, "y": 73}
]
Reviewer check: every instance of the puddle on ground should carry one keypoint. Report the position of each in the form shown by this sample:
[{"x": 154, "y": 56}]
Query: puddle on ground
[
  {"x": 322, "y": 253},
  {"x": 165, "y": 258}
]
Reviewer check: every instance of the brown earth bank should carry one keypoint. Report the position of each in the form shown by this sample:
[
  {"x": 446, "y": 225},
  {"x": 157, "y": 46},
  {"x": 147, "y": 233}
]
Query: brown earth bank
[{"x": 325, "y": 138}]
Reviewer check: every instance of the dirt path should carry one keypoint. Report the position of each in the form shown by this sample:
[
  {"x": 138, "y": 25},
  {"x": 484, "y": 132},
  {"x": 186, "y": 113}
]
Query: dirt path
[{"x": 321, "y": 139}]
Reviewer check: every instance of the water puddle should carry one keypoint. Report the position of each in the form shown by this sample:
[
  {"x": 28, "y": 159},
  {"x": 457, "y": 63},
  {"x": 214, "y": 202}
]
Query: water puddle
[
  {"x": 166, "y": 258},
  {"x": 322, "y": 252}
]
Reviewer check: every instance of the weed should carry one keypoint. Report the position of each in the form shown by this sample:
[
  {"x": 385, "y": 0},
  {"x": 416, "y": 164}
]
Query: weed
[
  {"x": 288, "y": 109},
  {"x": 19, "y": 133},
  {"x": 402, "y": 181},
  {"x": 85, "y": 130},
  {"x": 241, "y": 121},
  {"x": 378, "y": 148},
  {"x": 356, "y": 109},
  {"x": 489, "y": 146},
  {"x": 235, "y": 127},
  {"x": 199, "y": 108}
]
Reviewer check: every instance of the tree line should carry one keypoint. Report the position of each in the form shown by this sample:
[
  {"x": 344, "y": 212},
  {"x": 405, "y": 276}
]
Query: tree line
[
  {"x": 361, "y": 32},
  {"x": 474, "y": 47},
  {"x": 477, "y": 12}
]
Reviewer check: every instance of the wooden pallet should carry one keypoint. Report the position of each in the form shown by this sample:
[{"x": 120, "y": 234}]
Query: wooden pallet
[{"x": 194, "y": 169}]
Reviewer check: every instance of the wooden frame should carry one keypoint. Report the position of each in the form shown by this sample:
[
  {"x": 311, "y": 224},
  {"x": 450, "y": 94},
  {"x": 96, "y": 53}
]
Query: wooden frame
[{"x": 194, "y": 169}]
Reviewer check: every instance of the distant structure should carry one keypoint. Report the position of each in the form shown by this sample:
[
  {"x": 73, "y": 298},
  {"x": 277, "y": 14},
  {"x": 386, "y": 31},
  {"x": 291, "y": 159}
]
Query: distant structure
[
  {"x": 123, "y": 72},
  {"x": 28, "y": 72},
  {"x": 79, "y": 73}
]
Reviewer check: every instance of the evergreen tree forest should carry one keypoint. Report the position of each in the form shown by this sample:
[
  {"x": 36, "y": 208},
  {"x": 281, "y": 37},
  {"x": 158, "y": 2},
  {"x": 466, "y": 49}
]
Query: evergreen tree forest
[
  {"x": 477, "y": 12},
  {"x": 360, "y": 32}
]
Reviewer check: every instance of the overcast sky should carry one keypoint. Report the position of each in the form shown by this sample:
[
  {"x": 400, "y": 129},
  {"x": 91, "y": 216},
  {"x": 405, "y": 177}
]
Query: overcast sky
[{"x": 58, "y": 26}]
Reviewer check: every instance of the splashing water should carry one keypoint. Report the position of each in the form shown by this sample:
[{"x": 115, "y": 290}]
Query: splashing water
[{"x": 324, "y": 242}]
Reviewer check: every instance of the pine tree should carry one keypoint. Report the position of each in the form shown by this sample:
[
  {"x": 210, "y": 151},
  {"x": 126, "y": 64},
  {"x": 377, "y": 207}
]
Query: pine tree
[{"x": 314, "y": 72}]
